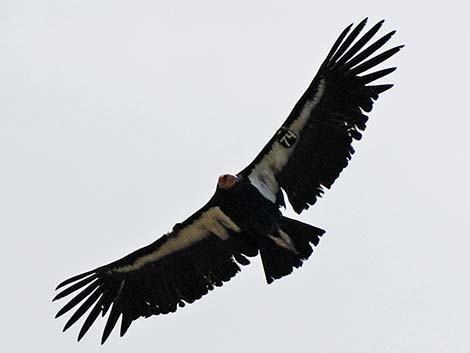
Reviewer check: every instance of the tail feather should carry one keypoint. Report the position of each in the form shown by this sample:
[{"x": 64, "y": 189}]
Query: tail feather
[{"x": 278, "y": 255}]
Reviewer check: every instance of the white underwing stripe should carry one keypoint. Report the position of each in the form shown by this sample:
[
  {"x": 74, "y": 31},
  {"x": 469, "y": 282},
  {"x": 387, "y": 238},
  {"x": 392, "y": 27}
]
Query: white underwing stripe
[
  {"x": 263, "y": 175},
  {"x": 212, "y": 221}
]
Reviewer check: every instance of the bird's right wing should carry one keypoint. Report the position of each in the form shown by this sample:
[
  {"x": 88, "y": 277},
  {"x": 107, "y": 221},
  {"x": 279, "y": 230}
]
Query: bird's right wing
[
  {"x": 178, "y": 268},
  {"x": 314, "y": 144}
]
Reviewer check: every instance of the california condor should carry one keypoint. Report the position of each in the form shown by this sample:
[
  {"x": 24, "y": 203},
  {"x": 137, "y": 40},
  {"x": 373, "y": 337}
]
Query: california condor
[{"x": 243, "y": 217}]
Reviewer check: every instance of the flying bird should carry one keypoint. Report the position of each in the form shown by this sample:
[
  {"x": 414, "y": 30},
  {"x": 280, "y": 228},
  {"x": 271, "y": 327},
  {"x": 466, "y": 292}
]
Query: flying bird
[{"x": 243, "y": 218}]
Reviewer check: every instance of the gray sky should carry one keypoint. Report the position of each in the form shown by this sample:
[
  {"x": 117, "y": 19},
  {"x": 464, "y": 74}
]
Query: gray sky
[{"x": 117, "y": 117}]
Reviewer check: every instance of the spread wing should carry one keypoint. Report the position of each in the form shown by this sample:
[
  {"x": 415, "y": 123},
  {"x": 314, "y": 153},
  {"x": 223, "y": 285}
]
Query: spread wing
[
  {"x": 178, "y": 268},
  {"x": 314, "y": 144}
]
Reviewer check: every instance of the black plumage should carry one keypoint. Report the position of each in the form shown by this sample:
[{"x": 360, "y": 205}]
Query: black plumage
[
  {"x": 243, "y": 218},
  {"x": 325, "y": 144}
]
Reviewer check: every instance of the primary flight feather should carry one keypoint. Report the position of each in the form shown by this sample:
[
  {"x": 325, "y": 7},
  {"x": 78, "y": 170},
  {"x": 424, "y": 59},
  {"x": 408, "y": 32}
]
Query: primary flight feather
[{"x": 243, "y": 218}]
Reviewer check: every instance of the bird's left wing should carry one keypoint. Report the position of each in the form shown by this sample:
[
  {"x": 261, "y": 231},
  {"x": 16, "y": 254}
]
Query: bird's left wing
[
  {"x": 314, "y": 144},
  {"x": 178, "y": 268}
]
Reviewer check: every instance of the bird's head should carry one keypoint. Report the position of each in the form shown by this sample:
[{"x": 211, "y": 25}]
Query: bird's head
[{"x": 227, "y": 181}]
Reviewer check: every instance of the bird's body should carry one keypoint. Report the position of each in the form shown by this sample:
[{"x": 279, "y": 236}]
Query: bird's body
[{"x": 243, "y": 218}]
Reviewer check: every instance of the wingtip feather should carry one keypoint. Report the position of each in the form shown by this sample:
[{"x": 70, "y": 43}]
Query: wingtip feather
[{"x": 74, "y": 279}]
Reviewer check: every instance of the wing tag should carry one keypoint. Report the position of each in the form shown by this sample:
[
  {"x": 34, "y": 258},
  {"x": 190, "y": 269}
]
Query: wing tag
[{"x": 286, "y": 137}]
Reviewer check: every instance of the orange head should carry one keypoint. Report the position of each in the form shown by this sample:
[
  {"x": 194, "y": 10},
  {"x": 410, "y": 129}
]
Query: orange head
[{"x": 227, "y": 181}]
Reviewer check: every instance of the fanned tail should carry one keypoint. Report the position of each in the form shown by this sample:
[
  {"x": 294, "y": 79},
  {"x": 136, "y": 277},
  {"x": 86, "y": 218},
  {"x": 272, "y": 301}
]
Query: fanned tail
[{"x": 281, "y": 252}]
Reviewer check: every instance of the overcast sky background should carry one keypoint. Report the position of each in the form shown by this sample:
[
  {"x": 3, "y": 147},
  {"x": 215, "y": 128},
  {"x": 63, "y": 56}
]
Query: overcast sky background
[{"x": 117, "y": 117}]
